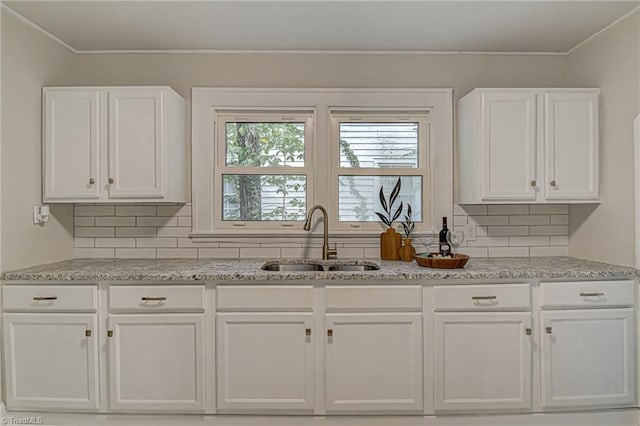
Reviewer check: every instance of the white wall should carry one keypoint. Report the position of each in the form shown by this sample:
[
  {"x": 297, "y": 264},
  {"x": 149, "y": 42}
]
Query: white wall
[
  {"x": 460, "y": 72},
  {"x": 610, "y": 61},
  {"x": 30, "y": 60}
]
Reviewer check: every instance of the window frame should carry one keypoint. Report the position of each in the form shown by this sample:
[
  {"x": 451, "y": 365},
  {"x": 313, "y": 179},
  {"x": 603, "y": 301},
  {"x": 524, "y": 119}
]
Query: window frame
[
  {"x": 206, "y": 101},
  {"x": 423, "y": 169},
  {"x": 220, "y": 167}
]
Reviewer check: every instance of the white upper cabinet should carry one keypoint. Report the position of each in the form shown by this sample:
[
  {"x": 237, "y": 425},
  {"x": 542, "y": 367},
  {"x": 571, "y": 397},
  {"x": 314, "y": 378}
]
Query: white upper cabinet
[
  {"x": 72, "y": 120},
  {"x": 125, "y": 144},
  {"x": 527, "y": 146},
  {"x": 571, "y": 145}
]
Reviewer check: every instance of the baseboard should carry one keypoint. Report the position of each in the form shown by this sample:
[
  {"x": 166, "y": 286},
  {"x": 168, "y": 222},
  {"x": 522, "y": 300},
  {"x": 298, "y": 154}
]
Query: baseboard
[{"x": 627, "y": 417}]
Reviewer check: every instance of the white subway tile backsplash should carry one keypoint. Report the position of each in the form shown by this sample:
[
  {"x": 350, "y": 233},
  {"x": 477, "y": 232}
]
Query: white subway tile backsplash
[
  {"x": 529, "y": 220},
  {"x": 131, "y": 253},
  {"x": 156, "y": 221},
  {"x": 559, "y": 219},
  {"x": 508, "y": 251},
  {"x": 508, "y": 209},
  {"x": 529, "y": 241},
  {"x": 84, "y": 221},
  {"x": 259, "y": 252},
  {"x": 93, "y": 210},
  {"x": 156, "y": 242},
  {"x": 550, "y": 230},
  {"x": 220, "y": 253},
  {"x": 508, "y": 230},
  {"x": 115, "y": 242},
  {"x": 489, "y": 220},
  {"x": 90, "y": 231},
  {"x": 93, "y": 253},
  {"x": 179, "y": 210},
  {"x": 549, "y": 209},
  {"x": 162, "y": 231},
  {"x": 135, "y": 232},
  {"x": 135, "y": 210},
  {"x": 115, "y": 221},
  {"x": 489, "y": 242},
  {"x": 172, "y": 231},
  {"x": 559, "y": 240},
  {"x": 549, "y": 251},
  {"x": 83, "y": 242},
  {"x": 182, "y": 253}
]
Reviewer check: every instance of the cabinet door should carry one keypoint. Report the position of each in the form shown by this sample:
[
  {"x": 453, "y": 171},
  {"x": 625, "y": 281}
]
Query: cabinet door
[
  {"x": 51, "y": 361},
  {"x": 571, "y": 145},
  {"x": 483, "y": 361},
  {"x": 265, "y": 362},
  {"x": 508, "y": 129},
  {"x": 71, "y": 135},
  {"x": 136, "y": 143},
  {"x": 373, "y": 363},
  {"x": 156, "y": 362},
  {"x": 587, "y": 358}
]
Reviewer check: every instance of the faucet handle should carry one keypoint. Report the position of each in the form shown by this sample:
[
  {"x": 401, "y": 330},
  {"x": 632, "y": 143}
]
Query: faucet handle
[{"x": 333, "y": 252}]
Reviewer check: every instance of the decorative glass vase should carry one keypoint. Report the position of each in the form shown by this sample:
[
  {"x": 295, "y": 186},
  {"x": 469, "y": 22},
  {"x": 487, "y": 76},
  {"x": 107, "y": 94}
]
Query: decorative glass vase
[
  {"x": 390, "y": 244},
  {"x": 407, "y": 252}
]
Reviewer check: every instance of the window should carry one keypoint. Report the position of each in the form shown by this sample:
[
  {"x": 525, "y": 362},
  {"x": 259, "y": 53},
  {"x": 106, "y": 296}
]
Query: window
[
  {"x": 373, "y": 150},
  {"x": 262, "y": 157},
  {"x": 263, "y": 168}
]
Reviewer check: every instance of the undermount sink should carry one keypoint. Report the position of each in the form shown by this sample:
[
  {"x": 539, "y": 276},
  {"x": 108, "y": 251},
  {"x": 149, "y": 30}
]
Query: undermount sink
[
  {"x": 292, "y": 267},
  {"x": 318, "y": 267},
  {"x": 356, "y": 268}
]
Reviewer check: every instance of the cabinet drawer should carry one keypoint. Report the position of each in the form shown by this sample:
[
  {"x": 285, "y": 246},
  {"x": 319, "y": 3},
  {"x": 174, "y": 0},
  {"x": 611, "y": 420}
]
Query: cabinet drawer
[
  {"x": 50, "y": 298},
  {"x": 160, "y": 298},
  {"x": 265, "y": 298},
  {"x": 373, "y": 298},
  {"x": 580, "y": 294},
  {"x": 491, "y": 297}
]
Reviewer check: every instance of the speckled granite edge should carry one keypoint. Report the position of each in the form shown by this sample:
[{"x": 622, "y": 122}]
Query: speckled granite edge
[{"x": 250, "y": 270}]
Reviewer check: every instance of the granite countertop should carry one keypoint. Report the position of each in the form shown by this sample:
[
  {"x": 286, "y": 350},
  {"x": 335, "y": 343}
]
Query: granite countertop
[{"x": 249, "y": 270}]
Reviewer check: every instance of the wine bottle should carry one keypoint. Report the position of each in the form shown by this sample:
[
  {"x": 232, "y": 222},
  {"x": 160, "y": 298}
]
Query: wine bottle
[{"x": 445, "y": 248}]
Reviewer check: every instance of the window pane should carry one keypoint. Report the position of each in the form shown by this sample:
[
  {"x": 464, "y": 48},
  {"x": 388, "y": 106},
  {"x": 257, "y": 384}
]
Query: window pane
[
  {"x": 383, "y": 145},
  {"x": 358, "y": 198},
  {"x": 264, "y": 144},
  {"x": 264, "y": 197}
]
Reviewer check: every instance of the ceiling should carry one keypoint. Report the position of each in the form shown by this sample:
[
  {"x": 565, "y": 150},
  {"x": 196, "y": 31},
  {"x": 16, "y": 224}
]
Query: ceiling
[{"x": 451, "y": 26}]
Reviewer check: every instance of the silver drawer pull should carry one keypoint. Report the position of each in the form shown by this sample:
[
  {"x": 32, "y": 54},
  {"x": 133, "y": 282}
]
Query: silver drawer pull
[
  {"x": 484, "y": 297},
  {"x": 591, "y": 294},
  {"x": 154, "y": 299},
  {"x": 40, "y": 298}
]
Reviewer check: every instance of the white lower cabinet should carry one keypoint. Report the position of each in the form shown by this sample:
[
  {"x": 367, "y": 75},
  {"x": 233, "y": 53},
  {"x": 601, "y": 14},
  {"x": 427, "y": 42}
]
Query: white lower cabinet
[
  {"x": 265, "y": 362},
  {"x": 373, "y": 362},
  {"x": 483, "y": 361},
  {"x": 156, "y": 362},
  {"x": 51, "y": 361},
  {"x": 588, "y": 358}
]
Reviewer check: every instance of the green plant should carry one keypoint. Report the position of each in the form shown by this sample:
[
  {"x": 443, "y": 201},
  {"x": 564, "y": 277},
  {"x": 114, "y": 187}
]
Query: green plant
[
  {"x": 388, "y": 218},
  {"x": 408, "y": 225}
]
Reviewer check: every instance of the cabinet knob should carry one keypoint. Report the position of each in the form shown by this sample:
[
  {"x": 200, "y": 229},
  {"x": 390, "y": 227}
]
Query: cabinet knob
[
  {"x": 92, "y": 181},
  {"x": 109, "y": 333},
  {"x": 527, "y": 331},
  {"x": 533, "y": 183},
  {"x": 548, "y": 330},
  {"x": 330, "y": 333},
  {"x": 111, "y": 180},
  {"x": 307, "y": 332},
  {"x": 553, "y": 183},
  {"x": 87, "y": 333}
]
